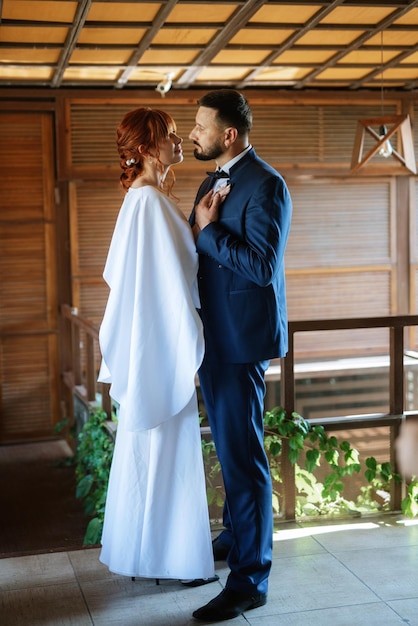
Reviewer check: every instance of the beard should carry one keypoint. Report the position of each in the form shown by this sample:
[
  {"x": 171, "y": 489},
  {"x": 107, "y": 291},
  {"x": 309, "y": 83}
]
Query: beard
[{"x": 211, "y": 153}]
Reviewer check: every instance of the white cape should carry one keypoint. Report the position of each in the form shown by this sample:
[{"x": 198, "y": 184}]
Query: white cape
[
  {"x": 151, "y": 338},
  {"x": 151, "y": 334}
]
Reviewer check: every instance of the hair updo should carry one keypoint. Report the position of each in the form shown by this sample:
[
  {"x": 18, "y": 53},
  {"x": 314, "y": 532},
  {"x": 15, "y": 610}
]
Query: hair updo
[{"x": 144, "y": 127}]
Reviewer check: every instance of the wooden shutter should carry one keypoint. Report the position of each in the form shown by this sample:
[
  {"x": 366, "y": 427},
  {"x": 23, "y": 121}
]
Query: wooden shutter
[
  {"x": 94, "y": 208},
  {"x": 341, "y": 260},
  {"x": 28, "y": 281}
]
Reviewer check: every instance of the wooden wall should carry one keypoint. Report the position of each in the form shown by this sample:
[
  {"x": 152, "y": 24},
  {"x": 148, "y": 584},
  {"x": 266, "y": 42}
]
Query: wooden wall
[
  {"x": 29, "y": 372},
  {"x": 352, "y": 251}
]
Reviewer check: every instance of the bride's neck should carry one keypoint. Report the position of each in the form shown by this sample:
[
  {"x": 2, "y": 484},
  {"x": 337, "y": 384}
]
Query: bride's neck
[{"x": 151, "y": 177}]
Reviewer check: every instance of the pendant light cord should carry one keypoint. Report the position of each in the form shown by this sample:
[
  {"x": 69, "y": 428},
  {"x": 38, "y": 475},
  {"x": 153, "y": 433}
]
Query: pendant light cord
[{"x": 381, "y": 72}]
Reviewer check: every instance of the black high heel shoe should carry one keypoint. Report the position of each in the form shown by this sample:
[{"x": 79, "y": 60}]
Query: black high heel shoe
[
  {"x": 198, "y": 582},
  {"x": 157, "y": 580}
]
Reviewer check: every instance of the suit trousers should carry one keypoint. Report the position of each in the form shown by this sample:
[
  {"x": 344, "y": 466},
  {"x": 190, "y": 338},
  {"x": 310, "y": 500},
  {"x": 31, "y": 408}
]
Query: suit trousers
[{"x": 233, "y": 394}]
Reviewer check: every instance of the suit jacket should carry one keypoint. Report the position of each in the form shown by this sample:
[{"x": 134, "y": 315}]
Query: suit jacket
[{"x": 241, "y": 265}]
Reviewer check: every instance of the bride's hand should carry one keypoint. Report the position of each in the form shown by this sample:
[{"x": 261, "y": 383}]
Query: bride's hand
[{"x": 223, "y": 191}]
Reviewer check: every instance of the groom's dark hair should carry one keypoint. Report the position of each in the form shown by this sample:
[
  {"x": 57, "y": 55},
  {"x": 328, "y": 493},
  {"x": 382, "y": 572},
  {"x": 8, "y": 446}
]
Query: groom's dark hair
[{"x": 232, "y": 109}]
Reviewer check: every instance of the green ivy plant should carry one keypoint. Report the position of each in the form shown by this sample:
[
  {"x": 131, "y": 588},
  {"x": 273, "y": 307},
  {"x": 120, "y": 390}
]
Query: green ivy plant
[
  {"x": 410, "y": 502},
  {"x": 341, "y": 458},
  {"x": 93, "y": 460},
  {"x": 214, "y": 492},
  {"x": 309, "y": 447}
]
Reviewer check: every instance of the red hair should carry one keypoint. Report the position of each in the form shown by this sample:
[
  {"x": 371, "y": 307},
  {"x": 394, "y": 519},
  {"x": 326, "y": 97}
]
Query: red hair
[{"x": 142, "y": 127}]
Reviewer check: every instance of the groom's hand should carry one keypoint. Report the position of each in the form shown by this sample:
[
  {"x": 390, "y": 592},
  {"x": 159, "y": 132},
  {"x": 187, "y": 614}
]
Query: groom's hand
[{"x": 207, "y": 210}]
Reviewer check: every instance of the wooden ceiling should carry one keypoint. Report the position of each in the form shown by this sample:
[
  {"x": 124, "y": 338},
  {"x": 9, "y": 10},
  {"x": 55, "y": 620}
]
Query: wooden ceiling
[{"x": 334, "y": 45}]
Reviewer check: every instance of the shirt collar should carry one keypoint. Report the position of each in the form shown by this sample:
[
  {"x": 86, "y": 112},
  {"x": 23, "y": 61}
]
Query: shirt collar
[{"x": 232, "y": 162}]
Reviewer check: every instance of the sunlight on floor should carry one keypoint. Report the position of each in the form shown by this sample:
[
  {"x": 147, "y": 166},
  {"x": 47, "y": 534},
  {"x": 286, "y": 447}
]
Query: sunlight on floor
[
  {"x": 408, "y": 522},
  {"x": 296, "y": 533}
]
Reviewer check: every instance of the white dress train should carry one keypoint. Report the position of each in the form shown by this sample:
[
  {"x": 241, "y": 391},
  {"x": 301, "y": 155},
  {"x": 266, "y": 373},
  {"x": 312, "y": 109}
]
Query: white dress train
[{"x": 156, "y": 523}]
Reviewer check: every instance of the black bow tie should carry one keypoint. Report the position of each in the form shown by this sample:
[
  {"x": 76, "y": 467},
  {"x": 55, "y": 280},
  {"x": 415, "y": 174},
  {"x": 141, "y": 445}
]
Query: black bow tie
[{"x": 218, "y": 174}]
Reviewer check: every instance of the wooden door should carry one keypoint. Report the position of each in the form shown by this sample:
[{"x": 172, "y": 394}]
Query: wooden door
[{"x": 28, "y": 278}]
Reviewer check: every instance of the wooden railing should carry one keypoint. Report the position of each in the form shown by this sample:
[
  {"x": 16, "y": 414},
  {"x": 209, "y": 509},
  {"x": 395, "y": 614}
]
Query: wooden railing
[
  {"x": 81, "y": 378},
  {"x": 396, "y": 326}
]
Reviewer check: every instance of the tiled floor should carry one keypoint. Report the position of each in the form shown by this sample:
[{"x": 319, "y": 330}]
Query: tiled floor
[{"x": 358, "y": 573}]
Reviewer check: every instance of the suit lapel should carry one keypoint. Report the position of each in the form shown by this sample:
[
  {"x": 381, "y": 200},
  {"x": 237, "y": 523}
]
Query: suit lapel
[{"x": 209, "y": 181}]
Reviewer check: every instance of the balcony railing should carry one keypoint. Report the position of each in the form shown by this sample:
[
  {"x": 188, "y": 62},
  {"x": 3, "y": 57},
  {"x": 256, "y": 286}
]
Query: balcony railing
[
  {"x": 81, "y": 379},
  {"x": 396, "y": 326}
]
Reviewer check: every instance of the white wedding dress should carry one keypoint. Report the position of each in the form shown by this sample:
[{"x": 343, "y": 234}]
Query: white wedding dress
[{"x": 156, "y": 519}]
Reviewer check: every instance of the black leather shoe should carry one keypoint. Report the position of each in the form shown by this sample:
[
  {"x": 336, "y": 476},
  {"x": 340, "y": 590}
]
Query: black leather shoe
[
  {"x": 229, "y": 604},
  {"x": 198, "y": 582},
  {"x": 220, "y": 550}
]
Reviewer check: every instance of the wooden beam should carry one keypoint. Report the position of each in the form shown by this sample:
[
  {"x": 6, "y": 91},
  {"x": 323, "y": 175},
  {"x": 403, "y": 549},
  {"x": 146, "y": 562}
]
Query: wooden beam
[
  {"x": 238, "y": 20},
  {"x": 71, "y": 41},
  {"x": 158, "y": 22}
]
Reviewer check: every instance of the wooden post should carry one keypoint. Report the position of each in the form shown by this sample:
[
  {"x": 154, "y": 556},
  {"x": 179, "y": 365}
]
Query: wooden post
[
  {"x": 397, "y": 399},
  {"x": 287, "y": 396}
]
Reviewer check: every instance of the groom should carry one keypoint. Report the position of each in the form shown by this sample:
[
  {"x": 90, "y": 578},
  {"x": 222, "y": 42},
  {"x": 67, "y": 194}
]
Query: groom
[{"x": 241, "y": 248}]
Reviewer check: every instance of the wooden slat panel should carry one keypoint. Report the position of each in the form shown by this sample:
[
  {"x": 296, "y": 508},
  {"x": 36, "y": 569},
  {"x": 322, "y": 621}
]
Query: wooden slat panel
[
  {"x": 93, "y": 131},
  {"x": 356, "y": 395},
  {"x": 298, "y": 133},
  {"x": 322, "y": 345},
  {"x": 92, "y": 299},
  {"x": 337, "y": 295},
  {"x": 340, "y": 260},
  {"x": 308, "y": 133},
  {"x": 22, "y": 272},
  {"x": 340, "y": 223},
  {"x": 28, "y": 401},
  {"x": 21, "y": 167},
  {"x": 28, "y": 280},
  {"x": 97, "y": 210}
]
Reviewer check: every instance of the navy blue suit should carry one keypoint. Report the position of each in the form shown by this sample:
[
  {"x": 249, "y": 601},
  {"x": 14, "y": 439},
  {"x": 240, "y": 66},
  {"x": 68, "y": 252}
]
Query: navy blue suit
[{"x": 243, "y": 300}]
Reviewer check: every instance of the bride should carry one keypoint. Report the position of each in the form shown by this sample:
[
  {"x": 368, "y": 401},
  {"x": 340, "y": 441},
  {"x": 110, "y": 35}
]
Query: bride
[{"x": 156, "y": 518}]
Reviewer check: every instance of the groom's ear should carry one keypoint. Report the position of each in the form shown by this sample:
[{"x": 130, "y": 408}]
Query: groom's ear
[{"x": 230, "y": 136}]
